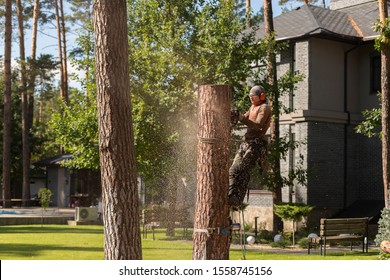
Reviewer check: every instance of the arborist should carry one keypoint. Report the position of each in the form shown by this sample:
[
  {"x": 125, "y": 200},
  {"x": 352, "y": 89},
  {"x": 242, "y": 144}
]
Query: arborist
[{"x": 257, "y": 119}]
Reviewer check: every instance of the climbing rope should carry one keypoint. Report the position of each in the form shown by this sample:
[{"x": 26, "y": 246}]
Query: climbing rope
[
  {"x": 210, "y": 232},
  {"x": 242, "y": 235}
]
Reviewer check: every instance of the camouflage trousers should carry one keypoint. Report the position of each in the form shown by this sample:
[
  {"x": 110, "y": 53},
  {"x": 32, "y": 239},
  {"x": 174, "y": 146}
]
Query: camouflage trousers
[{"x": 245, "y": 160}]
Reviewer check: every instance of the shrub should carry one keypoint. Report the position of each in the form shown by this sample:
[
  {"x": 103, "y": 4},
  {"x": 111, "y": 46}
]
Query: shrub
[
  {"x": 383, "y": 230},
  {"x": 264, "y": 237},
  {"x": 281, "y": 244},
  {"x": 303, "y": 242},
  {"x": 292, "y": 212},
  {"x": 44, "y": 196},
  {"x": 248, "y": 227}
]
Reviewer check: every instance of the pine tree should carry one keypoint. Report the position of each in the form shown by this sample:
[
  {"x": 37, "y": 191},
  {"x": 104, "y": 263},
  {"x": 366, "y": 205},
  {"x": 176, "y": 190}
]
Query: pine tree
[{"x": 116, "y": 140}]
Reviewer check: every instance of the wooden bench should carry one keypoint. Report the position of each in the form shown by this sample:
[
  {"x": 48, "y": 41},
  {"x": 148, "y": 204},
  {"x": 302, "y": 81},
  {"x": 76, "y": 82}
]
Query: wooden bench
[
  {"x": 14, "y": 201},
  {"x": 345, "y": 229}
]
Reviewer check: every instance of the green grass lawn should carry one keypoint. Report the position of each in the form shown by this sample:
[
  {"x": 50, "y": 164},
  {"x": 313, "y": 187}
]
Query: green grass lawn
[{"x": 63, "y": 242}]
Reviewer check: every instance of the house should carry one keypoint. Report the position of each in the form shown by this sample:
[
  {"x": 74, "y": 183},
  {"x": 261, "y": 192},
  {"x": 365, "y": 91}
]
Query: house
[
  {"x": 74, "y": 187},
  {"x": 70, "y": 187},
  {"x": 334, "y": 50}
]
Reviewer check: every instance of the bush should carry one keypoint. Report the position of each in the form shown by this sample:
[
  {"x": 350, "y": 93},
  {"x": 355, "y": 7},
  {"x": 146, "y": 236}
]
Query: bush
[
  {"x": 383, "y": 230},
  {"x": 303, "y": 242},
  {"x": 248, "y": 227},
  {"x": 44, "y": 196},
  {"x": 292, "y": 212},
  {"x": 265, "y": 237},
  {"x": 281, "y": 244}
]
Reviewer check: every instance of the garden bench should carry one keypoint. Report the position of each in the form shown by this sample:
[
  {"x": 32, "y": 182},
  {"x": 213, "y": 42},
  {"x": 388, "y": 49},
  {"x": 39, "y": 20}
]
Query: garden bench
[
  {"x": 15, "y": 201},
  {"x": 341, "y": 229}
]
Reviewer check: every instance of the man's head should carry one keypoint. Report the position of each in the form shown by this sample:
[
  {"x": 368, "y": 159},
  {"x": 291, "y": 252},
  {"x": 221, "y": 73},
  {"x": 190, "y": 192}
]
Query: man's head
[{"x": 257, "y": 95}]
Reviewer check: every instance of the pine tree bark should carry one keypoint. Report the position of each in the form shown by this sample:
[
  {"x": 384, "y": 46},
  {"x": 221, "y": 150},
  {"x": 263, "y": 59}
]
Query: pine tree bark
[
  {"x": 385, "y": 83},
  {"x": 31, "y": 88},
  {"x": 211, "y": 226},
  {"x": 64, "y": 53},
  {"x": 60, "y": 49},
  {"x": 274, "y": 102},
  {"x": 6, "y": 184},
  {"x": 25, "y": 122},
  {"x": 248, "y": 13},
  {"x": 116, "y": 148}
]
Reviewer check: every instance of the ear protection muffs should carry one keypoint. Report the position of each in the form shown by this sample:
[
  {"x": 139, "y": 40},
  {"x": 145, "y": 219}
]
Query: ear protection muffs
[{"x": 262, "y": 96}]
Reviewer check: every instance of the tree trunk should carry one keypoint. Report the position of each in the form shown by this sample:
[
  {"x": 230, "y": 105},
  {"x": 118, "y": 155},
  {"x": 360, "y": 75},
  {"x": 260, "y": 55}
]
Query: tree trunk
[
  {"x": 211, "y": 226},
  {"x": 385, "y": 80},
  {"x": 116, "y": 148},
  {"x": 6, "y": 184},
  {"x": 274, "y": 102},
  {"x": 25, "y": 122},
  {"x": 64, "y": 53},
  {"x": 248, "y": 14},
  {"x": 31, "y": 88},
  {"x": 60, "y": 54}
]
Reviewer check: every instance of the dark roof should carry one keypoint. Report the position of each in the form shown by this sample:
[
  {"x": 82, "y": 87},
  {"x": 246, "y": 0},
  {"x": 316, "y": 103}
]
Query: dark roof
[
  {"x": 365, "y": 15},
  {"x": 350, "y": 24},
  {"x": 56, "y": 160}
]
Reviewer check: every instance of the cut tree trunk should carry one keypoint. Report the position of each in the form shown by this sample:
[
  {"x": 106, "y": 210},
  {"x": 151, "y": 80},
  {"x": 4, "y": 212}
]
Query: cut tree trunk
[{"x": 211, "y": 226}]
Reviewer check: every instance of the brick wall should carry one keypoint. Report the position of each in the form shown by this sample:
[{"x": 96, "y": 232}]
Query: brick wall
[
  {"x": 325, "y": 164},
  {"x": 369, "y": 168}
]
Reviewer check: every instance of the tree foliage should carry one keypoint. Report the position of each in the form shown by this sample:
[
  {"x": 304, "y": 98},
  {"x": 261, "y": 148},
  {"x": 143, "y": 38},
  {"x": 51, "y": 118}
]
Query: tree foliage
[
  {"x": 74, "y": 128},
  {"x": 173, "y": 48},
  {"x": 44, "y": 196},
  {"x": 370, "y": 127},
  {"x": 292, "y": 212}
]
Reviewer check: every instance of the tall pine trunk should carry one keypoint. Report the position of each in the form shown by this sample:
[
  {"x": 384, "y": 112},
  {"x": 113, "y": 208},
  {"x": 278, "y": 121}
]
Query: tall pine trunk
[
  {"x": 385, "y": 83},
  {"x": 25, "y": 122},
  {"x": 6, "y": 184},
  {"x": 248, "y": 14},
  {"x": 116, "y": 141},
  {"x": 211, "y": 226},
  {"x": 31, "y": 88},
  {"x": 64, "y": 52},
  {"x": 274, "y": 102},
  {"x": 60, "y": 51}
]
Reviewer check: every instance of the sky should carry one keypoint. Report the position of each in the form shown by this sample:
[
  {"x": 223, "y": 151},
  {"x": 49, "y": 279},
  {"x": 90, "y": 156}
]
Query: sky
[{"x": 257, "y": 4}]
